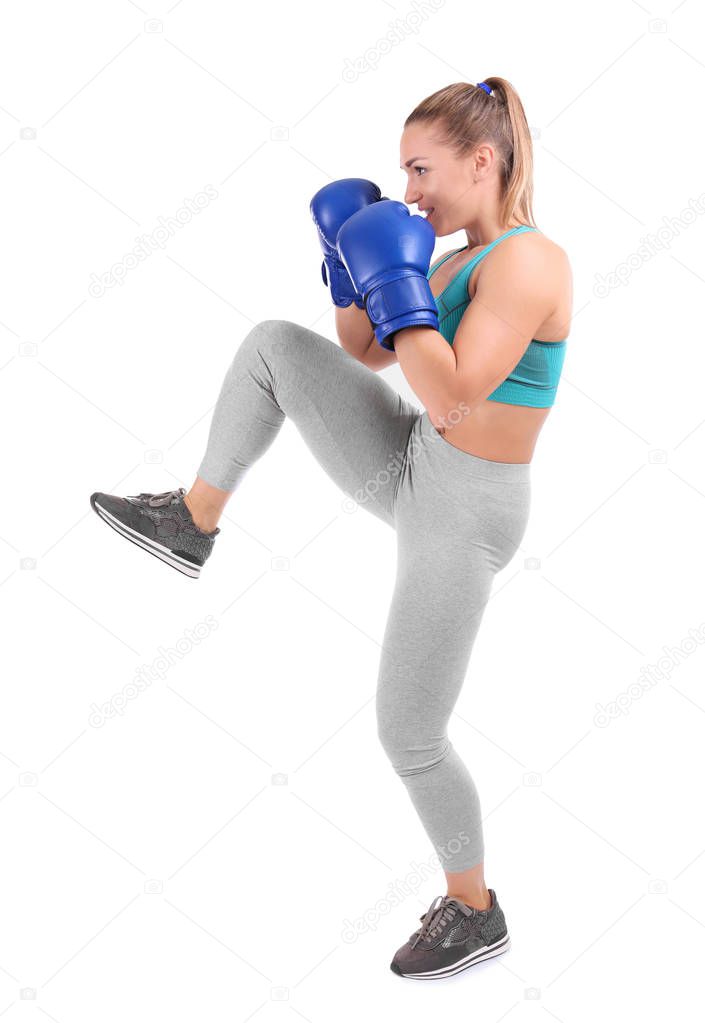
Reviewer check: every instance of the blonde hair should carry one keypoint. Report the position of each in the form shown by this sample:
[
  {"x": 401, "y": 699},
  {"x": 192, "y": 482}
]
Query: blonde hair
[{"x": 468, "y": 116}]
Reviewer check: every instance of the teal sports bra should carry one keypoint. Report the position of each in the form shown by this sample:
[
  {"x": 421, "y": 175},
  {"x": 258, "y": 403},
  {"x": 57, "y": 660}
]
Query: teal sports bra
[{"x": 534, "y": 380}]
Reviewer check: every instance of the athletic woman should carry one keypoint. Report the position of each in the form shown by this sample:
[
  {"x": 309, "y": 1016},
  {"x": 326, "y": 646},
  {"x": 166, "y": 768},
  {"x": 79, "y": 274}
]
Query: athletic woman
[{"x": 480, "y": 337}]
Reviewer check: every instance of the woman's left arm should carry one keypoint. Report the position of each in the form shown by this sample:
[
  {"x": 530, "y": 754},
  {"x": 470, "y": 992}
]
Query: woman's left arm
[{"x": 514, "y": 296}]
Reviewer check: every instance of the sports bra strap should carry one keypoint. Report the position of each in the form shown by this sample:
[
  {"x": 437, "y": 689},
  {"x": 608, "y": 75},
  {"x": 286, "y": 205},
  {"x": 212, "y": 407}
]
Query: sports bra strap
[
  {"x": 520, "y": 228},
  {"x": 442, "y": 261}
]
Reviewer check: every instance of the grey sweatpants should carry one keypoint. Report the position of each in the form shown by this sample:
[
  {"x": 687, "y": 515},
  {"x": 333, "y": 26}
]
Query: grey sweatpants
[{"x": 459, "y": 519}]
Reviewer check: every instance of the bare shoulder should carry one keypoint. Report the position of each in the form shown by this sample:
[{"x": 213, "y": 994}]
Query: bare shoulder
[
  {"x": 530, "y": 255},
  {"x": 554, "y": 251},
  {"x": 541, "y": 278},
  {"x": 535, "y": 242}
]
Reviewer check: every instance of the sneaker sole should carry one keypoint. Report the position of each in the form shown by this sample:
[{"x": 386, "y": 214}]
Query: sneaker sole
[
  {"x": 152, "y": 547},
  {"x": 487, "y": 952}
]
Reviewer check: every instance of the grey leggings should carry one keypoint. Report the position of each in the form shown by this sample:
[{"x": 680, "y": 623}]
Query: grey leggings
[{"x": 459, "y": 519}]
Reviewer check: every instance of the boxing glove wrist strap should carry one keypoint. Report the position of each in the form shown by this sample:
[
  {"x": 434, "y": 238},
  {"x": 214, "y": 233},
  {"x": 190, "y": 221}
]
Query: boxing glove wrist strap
[{"x": 404, "y": 301}]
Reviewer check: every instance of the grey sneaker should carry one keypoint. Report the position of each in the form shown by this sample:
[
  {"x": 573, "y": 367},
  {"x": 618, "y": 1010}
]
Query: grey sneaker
[
  {"x": 452, "y": 937},
  {"x": 160, "y": 524}
]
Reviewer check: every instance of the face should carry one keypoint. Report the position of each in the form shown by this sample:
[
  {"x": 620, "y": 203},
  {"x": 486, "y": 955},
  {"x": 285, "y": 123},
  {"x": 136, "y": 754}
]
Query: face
[{"x": 438, "y": 181}]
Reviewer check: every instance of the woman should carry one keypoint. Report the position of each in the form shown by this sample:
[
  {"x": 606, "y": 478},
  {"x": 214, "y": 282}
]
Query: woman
[{"x": 480, "y": 337}]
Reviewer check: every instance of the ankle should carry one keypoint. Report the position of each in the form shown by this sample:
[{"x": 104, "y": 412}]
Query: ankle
[
  {"x": 479, "y": 899},
  {"x": 203, "y": 516}
]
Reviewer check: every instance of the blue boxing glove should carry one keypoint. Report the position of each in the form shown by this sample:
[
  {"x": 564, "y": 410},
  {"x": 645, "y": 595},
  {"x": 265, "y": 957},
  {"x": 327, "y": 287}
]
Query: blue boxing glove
[
  {"x": 387, "y": 253},
  {"x": 330, "y": 208}
]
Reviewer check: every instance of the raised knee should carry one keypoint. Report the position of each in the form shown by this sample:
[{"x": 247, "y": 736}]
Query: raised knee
[
  {"x": 270, "y": 334},
  {"x": 276, "y": 326},
  {"x": 266, "y": 330}
]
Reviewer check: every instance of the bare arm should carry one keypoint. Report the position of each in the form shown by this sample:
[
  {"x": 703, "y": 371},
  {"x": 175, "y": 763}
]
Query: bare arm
[
  {"x": 357, "y": 338},
  {"x": 494, "y": 332},
  {"x": 357, "y": 334}
]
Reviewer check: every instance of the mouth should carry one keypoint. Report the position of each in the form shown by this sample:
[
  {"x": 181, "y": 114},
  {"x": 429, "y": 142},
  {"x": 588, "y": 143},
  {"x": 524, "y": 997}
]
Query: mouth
[{"x": 428, "y": 212}]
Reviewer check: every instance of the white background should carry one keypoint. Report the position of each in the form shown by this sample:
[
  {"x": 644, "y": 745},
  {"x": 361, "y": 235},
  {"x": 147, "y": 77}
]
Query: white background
[{"x": 206, "y": 853}]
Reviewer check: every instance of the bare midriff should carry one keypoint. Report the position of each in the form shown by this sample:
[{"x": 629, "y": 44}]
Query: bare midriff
[{"x": 499, "y": 432}]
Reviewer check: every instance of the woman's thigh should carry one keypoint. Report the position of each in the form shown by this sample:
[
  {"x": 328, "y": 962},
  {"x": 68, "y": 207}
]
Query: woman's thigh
[
  {"x": 459, "y": 521},
  {"x": 353, "y": 422}
]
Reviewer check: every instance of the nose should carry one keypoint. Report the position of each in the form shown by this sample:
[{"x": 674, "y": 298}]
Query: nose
[{"x": 411, "y": 195}]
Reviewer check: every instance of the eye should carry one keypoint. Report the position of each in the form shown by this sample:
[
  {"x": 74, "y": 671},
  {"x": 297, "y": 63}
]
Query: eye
[{"x": 419, "y": 168}]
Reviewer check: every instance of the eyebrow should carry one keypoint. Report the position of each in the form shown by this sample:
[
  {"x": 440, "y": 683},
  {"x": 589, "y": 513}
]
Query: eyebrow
[{"x": 409, "y": 162}]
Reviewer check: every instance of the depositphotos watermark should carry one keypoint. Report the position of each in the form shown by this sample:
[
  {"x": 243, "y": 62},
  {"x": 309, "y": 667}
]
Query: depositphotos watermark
[
  {"x": 650, "y": 246},
  {"x": 148, "y": 673},
  {"x": 399, "y": 458},
  {"x": 399, "y": 890},
  {"x": 400, "y": 29},
  {"x": 148, "y": 243},
  {"x": 650, "y": 676}
]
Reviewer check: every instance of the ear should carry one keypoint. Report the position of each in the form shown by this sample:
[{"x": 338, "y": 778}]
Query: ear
[{"x": 485, "y": 156}]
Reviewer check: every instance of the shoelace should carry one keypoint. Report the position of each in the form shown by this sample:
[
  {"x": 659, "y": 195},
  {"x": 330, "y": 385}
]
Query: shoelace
[
  {"x": 159, "y": 500},
  {"x": 438, "y": 915}
]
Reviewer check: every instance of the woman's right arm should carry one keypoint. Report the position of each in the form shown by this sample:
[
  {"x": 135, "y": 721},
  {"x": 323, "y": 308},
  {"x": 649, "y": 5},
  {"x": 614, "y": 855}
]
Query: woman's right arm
[{"x": 357, "y": 334}]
